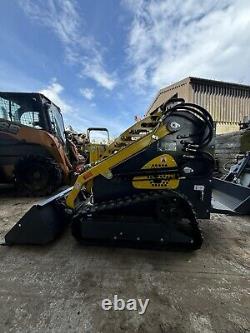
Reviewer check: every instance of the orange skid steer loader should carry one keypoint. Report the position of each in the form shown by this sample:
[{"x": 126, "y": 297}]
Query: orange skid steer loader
[{"x": 35, "y": 153}]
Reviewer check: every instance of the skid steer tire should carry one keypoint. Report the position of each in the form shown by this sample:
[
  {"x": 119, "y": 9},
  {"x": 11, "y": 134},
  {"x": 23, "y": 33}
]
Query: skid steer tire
[{"x": 37, "y": 175}]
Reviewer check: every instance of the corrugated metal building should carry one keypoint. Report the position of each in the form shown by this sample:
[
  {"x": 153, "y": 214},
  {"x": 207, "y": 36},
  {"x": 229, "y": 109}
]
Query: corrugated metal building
[{"x": 227, "y": 102}]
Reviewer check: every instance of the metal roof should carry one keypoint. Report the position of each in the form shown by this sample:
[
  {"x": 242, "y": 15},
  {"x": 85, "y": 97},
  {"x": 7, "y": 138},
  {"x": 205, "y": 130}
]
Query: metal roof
[{"x": 192, "y": 79}]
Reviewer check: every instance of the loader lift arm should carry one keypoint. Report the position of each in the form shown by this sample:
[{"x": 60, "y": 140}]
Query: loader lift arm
[{"x": 104, "y": 167}]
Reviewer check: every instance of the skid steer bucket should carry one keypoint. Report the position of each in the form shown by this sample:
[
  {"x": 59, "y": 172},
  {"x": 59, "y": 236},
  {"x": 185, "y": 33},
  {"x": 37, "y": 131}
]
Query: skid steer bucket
[
  {"x": 41, "y": 224},
  {"x": 230, "y": 198}
]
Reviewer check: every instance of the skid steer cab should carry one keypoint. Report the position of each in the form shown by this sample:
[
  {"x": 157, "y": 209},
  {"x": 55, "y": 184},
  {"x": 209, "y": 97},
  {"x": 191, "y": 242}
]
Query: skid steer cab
[
  {"x": 35, "y": 153},
  {"x": 97, "y": 141}
]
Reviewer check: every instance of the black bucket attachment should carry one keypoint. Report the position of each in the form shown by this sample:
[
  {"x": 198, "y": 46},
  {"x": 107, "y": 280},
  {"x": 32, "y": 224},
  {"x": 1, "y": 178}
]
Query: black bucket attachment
[
  {"x": 44, "y": 222},
  {"x": 230, "y": 198}
]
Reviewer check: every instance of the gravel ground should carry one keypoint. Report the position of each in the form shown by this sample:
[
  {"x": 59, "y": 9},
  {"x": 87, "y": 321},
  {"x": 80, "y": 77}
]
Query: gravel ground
[{"x": 59, "y": 287}]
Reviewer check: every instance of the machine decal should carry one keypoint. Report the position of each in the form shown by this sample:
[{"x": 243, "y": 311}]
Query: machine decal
[
  {"x": 167, "y": 146},
  {"x": 87, "y": 175},
  {"x": 160, "y": 180}
]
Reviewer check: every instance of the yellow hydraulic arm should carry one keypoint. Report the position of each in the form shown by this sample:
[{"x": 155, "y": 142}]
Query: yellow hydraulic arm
[{"x": 104, "y": 167}]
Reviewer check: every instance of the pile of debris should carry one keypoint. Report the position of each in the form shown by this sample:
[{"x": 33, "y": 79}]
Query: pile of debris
[
  {"x": 78, "y": 139},
  {"x": 229, "y": 147}
]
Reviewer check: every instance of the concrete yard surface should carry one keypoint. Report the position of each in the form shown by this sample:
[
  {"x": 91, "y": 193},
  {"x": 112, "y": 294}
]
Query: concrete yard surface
[{"x": 60, "y": 287}]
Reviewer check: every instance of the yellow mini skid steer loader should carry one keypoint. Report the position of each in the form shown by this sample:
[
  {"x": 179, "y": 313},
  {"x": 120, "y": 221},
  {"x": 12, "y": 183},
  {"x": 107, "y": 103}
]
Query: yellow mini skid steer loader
[{"x": 146, "y": 188}]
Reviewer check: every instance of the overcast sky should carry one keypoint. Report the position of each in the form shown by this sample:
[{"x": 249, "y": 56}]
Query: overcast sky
[{"x": 103, "y": 61}]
